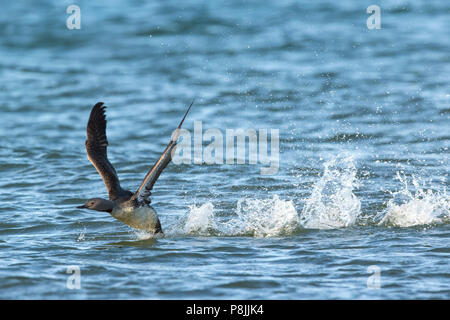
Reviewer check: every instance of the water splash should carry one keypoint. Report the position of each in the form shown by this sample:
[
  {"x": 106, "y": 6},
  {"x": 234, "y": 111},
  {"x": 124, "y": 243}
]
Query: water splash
[
  {"x": 141, "y": 234},
  {"x": 332, "y": 203},
  {"x": 200, "y": 220},
  {"x": 254, "y": 217},
  {"x": 267, "y": 218},
  {"x": 81, "y": 236},
  {"x": 422, "y": 207}
]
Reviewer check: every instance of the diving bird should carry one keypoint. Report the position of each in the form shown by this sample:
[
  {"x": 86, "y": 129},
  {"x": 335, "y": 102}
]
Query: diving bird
[{"x": 130, "y": 208}]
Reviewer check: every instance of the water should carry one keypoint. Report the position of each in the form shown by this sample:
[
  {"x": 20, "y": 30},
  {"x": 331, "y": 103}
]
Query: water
[{"x": 363, "y": 117}]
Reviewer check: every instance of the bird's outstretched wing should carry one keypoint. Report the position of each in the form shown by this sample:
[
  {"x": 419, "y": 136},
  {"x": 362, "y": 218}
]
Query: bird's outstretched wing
[
  {"x": 96, "y": 148},
  {"x": 144, "y": 191}
]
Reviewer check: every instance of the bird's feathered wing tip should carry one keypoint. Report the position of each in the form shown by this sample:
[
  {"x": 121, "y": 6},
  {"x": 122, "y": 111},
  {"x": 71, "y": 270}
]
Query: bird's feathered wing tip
[
  {"x": 96, "y": 149},
  {"x": 144, "y": 191}
]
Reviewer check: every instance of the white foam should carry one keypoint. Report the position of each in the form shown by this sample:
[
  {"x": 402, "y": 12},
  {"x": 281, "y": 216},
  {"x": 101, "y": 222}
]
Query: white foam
[
  {"x": 254, "y": 217},
  {"x": 142, "y": 234},
  {"x": 332, "y": 203},
  {"x": 422, "y": 207},
  {"x": 267, "y": 218},
  {"x": 81, "y": 236},
  {"x": 200, "y": 220}
]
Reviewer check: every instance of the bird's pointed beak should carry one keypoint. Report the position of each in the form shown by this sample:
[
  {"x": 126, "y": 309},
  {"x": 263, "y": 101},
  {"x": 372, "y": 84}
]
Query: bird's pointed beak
[{"x": 82, "y": 207}]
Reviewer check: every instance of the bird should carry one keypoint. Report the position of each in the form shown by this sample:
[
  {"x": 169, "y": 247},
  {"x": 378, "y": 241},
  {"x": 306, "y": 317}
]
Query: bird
[{"x": 133, "y": 209}]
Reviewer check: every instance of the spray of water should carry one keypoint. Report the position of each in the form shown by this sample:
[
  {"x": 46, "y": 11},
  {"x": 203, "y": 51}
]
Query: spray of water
[
  {"x": 408, "y": 208},
  {"x": 266, "y": 218},
  {"x": 81, "y": 236},
  {"x": 332, "y": 203},
  {"x": 254, "y": 217},
  {"x": 201, "y": 220}
]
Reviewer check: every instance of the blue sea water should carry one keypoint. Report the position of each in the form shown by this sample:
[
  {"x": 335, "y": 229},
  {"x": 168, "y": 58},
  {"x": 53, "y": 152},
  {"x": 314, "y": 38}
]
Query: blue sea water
[{"x": 358, "y": 208}]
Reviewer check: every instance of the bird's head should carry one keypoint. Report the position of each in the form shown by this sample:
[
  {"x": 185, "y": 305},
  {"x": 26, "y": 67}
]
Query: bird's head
[{"x": 98, "y": 204}]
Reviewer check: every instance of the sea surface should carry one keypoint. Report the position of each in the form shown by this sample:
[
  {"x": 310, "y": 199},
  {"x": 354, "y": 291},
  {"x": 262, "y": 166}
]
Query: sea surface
[{"x": 358, "y": 207}]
